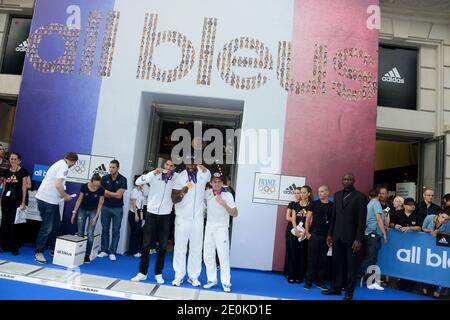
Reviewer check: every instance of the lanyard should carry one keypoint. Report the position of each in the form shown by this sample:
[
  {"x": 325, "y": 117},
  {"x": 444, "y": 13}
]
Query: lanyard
[
  {"x": 192, "y": 176},
  {"x": 167, "y": 176},
  {"x": 217, "y": 193}
]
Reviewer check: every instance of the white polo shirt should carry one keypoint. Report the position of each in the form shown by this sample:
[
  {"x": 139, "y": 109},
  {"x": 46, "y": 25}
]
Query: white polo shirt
[
  {"x": 159, "y": 199},
  {"x": 47, "y": 191},
  {"x": 138, "y": 195},
  {"x": 216, "y": 214},
  {"x": 192, "y": 204}
]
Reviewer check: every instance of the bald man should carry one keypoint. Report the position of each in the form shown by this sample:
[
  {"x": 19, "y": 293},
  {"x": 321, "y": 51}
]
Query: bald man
[
  {"x": 345, "y": 235},
  {"x": 316, "y": 230}
]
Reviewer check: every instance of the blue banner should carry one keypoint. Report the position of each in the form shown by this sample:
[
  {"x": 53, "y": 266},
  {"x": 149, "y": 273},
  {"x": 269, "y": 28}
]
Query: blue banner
[
  {"x": 39, "y": 172},
  {"x": 415, "y": 256}
]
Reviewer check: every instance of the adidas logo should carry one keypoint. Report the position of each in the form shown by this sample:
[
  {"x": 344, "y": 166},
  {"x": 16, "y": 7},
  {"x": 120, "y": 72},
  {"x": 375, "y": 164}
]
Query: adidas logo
[
  {"x": 23, "y": 47},
  {"x": 290, "y": 189},
  {"x": 443, "y": 241},
  {"x": 101, "y": 170},
  {"x": 393, "y": 76}
]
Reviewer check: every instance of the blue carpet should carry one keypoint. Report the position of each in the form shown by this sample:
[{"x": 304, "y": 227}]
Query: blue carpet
[
  {"x": 14, "y": 290},
  {"x": 244, "y": 281}
]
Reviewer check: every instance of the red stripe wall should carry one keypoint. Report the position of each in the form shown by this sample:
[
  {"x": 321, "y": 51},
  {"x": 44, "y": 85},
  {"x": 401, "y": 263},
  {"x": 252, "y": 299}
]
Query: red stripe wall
[{"x": 330, "y": 120}]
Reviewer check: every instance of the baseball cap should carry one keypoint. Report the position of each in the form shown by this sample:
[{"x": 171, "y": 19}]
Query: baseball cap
[
  {"x": 409, "y": 201},
  {"x": 218, "y": 175}
]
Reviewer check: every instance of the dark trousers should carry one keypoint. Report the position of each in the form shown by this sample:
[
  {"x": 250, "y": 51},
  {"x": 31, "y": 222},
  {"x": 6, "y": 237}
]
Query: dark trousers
[
  {"x": 172, "y": 226},
  {"x": 317, "y": 259},
  {"x": 153, "y": 244},
  {"x": 49, "y": 226},
  {"x": 345, "y": 262},
  {"x": 295, "y": 262},
  {"x": 372, "y": 245},
  {"x": 156, "y": 229},
  {"x": 135, "y": 233},
  {"x": 9, "y": 232}
]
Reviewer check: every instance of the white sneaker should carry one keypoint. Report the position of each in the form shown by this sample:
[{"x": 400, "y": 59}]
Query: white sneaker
[
  {"x": 139, "y": 277},
  {"x": 210, "y": 284},
  {"x": 177, "y": 282},
  {"x": 152, "y": 251},
  {"x": 102, "y": 254},
  {"x": 137, "y": 255},
  {"x": 112, "y": 257},
  {"x": 159, "y": 279},
  {"x": 226, "y": 287},
  {"x": 375, "y": 286},
  {"x": 194, "y": 282},
  {"x": 39, "y": 257}
]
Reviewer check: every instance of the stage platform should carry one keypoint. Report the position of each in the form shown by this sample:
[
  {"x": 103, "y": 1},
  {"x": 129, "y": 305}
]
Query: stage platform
[{"x": 23, "y": 278}]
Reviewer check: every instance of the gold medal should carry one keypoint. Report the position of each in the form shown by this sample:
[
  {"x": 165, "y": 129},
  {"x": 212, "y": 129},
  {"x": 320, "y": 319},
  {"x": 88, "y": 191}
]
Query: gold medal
[{"x": 189, "y": 185}]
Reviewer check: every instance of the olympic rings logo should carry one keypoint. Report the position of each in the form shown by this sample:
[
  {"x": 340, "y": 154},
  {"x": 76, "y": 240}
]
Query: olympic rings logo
[
  {"x": 266, "y": 189},
  {"x": 78, "y": 169}
]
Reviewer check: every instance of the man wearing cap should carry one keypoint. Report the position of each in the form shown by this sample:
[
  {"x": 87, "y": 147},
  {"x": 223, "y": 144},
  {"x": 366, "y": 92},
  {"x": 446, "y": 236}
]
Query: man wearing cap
[
  {"x": 220, "y": 206},
  {"x": 188, "y": 195},
  {"x": 408, "y": 219},
  {"x": 157, "y": 218}
]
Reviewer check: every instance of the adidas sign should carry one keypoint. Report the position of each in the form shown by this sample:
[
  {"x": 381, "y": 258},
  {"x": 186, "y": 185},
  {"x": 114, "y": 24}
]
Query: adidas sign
[
  {"x": 290, "y": 189},
  {"x": 443, "y": 241},
  {"x": 23, "y": 47},
  {"x": 101, "y": 170},
  {"x": 393, "y": 76}
]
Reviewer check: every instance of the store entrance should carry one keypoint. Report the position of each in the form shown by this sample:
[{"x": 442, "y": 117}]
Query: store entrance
[
  {"x": 7, "y": 115},
  {"x": 396, "y": 162},
  {"x": 168, "y": 118},
  {"x": 407, "y": 165}
]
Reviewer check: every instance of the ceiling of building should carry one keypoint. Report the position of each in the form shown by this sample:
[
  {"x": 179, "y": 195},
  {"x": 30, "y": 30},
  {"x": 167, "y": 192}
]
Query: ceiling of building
[{"x": 438, "y": 9}]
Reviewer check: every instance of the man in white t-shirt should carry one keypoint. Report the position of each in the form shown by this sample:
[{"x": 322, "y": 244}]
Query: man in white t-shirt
[
  {"x": 50, "y": 193},
  {"x": 219, "y": 207},
  {"x": 188, "y": 195},
  {"x": 157, "y": 218}
]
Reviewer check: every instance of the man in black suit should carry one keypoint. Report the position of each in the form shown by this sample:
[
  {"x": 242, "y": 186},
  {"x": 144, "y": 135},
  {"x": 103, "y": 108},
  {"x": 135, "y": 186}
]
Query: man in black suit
[{"x": 345, "y": 236}]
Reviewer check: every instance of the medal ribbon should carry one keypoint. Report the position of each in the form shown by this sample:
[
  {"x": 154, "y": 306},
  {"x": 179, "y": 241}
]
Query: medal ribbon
[
  {"x": 192, "y": 176},
  {"x": 167, "y": 176},
  {"x": 217, "y": 193}
]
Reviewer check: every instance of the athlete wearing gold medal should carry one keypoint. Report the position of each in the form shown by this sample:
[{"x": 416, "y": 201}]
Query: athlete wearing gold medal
[{"x": 188, "y": 195}]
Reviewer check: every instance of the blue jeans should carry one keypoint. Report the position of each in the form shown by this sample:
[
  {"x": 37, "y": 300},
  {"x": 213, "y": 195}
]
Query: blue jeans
[
  {"x": 49, "y": 226},
  {"x": 372, "y": 246},
  {"x": 88, "y": 215},
  {"x": 108, "y": 214}
]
